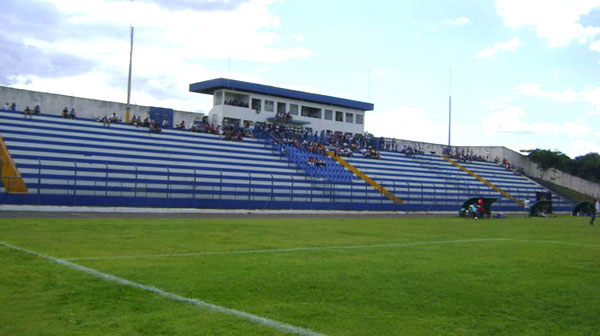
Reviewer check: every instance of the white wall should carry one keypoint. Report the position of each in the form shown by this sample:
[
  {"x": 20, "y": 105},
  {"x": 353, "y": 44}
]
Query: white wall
[{"x": 85, "y": 108}]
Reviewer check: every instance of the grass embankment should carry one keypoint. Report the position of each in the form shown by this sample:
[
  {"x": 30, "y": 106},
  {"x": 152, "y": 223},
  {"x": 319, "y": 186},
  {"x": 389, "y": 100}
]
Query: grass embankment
[{"x": 564, "y": 192}]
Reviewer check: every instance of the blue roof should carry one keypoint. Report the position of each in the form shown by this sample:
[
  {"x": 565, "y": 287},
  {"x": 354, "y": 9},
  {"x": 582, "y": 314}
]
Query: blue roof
[{"x": 210, "y": 86}]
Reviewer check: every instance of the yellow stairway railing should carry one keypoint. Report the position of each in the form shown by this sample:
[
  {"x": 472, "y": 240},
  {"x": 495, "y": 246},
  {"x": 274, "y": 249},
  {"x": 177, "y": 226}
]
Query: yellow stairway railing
[
  {"x": 488, "y": 183},
  {"x": 367, "y": 179},
  {"x": 11, "y": 178}
]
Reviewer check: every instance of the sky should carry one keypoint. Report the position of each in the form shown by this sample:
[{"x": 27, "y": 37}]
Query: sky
[{"x": 523, "y": 74}]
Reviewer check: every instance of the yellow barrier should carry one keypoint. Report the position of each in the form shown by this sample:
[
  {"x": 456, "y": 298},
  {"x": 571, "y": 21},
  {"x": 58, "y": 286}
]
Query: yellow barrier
[
  {"x": 488, "y": 183},
  {"x": 367, "y": 179},
  {"x": 11, "y": 178}
]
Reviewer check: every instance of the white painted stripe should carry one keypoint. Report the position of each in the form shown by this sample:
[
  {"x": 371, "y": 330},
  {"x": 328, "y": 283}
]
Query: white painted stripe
[
  {"x": 552, "y": 242},
  {"x": 295, "y": 249},
  {"x": 284, "y": 327}
]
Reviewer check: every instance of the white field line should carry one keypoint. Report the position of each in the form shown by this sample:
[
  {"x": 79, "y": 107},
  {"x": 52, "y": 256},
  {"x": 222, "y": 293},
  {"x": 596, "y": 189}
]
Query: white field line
[
  {"x": 284, "y": 327},
  {"x": 553, "y": 242},
  {"x": 295, "y": 249}
]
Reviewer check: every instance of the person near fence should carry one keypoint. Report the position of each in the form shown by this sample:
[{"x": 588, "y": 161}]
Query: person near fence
[
  {"x": 595, "y": 209},
  {"x": 480, "y": 208}
]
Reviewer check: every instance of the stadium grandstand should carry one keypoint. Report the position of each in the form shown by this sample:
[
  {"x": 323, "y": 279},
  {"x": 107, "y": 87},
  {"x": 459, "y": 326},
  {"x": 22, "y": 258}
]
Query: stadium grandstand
[{"x": 260, "y": 147}]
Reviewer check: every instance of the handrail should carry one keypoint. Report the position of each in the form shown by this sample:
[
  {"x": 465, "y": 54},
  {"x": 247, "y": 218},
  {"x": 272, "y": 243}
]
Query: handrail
[
  {"x": 11, "y": 178},
  {"x": 367, "y": 179}
]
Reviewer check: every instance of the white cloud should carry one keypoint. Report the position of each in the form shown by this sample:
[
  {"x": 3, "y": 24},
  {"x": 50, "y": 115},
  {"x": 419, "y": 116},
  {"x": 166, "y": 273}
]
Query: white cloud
[
  {"x": 556, "y": 21},
  {"x": 533, "y": 89},
  {"x": 410, "y": 123},
  {"x": 511, "y": 120},
  {"x": 299, "y": 37},
  {"x": 595, "y": 46},
  {"x": 511, "y": 45},
  {"x": 506, "y": 120},
  {"x": 171, "y": 46},
  {"x": 583, "y": 147},
  {"x": 248, "y": 35},
  {"x": 591, "y": 96},
  {"x": 459, "y": 21}
]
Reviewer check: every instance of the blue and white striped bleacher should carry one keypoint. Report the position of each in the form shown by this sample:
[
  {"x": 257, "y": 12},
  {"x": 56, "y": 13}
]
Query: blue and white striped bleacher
[
  {"x": 431, "y": 183},
  {"x": 80, "y": 162},
  {"x": 517, "y": 185}
]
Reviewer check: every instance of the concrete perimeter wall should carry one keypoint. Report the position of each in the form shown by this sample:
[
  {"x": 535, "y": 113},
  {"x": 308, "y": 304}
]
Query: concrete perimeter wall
[{"x": 84, "y": 108}]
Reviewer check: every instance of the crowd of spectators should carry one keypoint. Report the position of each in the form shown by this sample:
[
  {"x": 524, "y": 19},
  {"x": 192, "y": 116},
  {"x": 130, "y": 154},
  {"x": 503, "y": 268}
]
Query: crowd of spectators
[
  {"x": 284, "y": 116},
  {"x": 340, "y": 144},
  {"x": 463, "y": 156},
  {"x": 317, "y": 143},
  {"x": 37, "y": 110},
  {"x": 227, "y": 131},
  {"x": 510, "y": 167},
  {"x": 235, "y": 102}
]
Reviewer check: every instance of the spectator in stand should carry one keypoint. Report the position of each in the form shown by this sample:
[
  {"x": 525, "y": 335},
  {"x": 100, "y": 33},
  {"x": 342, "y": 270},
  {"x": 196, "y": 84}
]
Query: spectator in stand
[
  {"x": 27, "y": 112},
  {"x": 165, "y": 123},
  {"x": 72, "y": 114},
  {"x": 181, "y": 125},
  {"x": 154, "y": 127},
  {"x": 105, "y": 121},
  {"x": 65, "y": 113},
  {"x": 13, "y": 107},
  {"x": 6, "y": 107},
  {"x": 37, "y": 110}
]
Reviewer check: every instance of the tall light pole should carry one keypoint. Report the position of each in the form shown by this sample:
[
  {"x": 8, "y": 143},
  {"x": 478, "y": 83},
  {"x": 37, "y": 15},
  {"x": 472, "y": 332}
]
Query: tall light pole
[
  {"x": 129, "y": 78},
  {"x": 449, "y": 106}
]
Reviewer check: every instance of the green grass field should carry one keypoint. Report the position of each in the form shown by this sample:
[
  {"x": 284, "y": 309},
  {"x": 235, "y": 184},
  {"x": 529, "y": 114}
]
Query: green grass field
[{"x": 331, "y": 276}]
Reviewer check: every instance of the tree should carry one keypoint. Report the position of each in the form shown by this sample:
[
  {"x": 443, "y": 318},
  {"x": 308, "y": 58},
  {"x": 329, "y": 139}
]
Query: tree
[
  {"x": 550, "y": 159},
  {"x": 587, "y": 167}
]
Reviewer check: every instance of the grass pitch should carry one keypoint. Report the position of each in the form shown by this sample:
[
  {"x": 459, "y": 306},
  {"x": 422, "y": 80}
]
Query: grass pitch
[{"x": 333, "y": 276}]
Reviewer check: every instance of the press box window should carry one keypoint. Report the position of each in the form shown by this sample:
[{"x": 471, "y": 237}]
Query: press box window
[
  {"x": 359, "y": 119},
  {"x": 339, "y": 116},
  {"x": 293, "y": 109},
  {"x": 311, "y": 112},
  {"x": 269, "y": 106},
  {"x": 218, "y": 98},
  {"x": 349, "y": 117},
  {"x": 328, "y": 114},
  {"x": 256, "y": 104}
]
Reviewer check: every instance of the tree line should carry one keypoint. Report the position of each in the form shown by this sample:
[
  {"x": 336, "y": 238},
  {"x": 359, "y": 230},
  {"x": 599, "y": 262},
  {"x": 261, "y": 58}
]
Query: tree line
[{"x": 585, "y": 166}]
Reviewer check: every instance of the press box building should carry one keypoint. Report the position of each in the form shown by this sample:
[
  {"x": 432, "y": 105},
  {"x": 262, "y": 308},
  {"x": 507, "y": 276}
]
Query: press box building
[{"x": 241, "y": 102}]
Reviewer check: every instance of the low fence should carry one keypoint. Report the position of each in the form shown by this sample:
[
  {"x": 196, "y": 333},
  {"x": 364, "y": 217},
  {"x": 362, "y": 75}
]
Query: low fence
[{"x": 198, "y": 188}]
